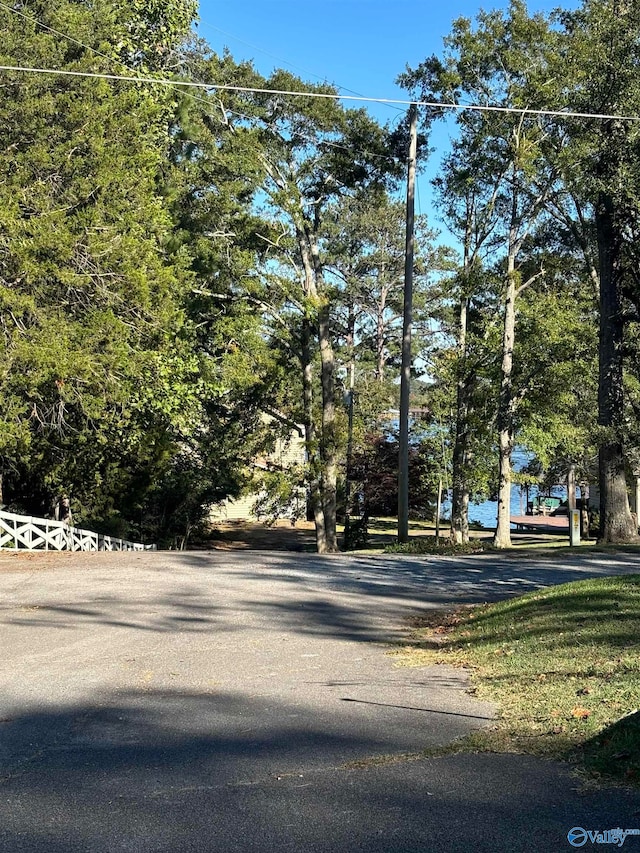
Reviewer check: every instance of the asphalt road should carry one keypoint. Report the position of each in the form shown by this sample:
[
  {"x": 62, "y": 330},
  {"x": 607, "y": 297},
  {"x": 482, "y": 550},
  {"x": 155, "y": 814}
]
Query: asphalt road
[{"x": 247, "y": 703}]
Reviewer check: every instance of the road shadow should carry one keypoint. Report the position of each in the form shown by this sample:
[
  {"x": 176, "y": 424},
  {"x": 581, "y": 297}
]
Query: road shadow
[
  {"x": 165, "y": 772},
  {"x": 183, "y": 610},
  {"x": 357, "y": 598},
  {"x": 469, "y": 579}
]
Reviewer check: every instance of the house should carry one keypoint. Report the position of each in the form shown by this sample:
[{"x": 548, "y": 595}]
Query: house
[{"x": 288, "y": 455}]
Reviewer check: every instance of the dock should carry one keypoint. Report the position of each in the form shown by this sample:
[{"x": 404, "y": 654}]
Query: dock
[{"x": 542, "y": 523}]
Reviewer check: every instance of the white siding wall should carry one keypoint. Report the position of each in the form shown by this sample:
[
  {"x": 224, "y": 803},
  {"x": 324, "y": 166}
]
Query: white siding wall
[{"x": 287, "y": 453}]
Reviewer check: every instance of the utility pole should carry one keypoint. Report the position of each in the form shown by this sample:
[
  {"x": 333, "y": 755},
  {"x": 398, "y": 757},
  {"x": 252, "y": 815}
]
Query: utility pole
[
  {"x": 405, "y": 375},
  {"x": 574, "y": 515}
]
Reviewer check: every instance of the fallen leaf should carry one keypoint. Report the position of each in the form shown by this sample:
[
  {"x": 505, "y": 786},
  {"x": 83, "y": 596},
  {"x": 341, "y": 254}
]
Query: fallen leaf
[{"x": 580, "y": 713}]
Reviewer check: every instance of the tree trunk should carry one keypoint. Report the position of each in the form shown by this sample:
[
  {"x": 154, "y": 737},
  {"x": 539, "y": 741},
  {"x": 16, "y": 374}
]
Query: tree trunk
[
  {"x": 311, "y": 444},
  {"x": 460, "y": 497},
  {"x": 502, "y": 537},
  {"x": 616, "y": 523},
  {"x": 352, "y": 372},
  {"x": 329, "y": 442},
  {"x": 380, "y": 335},
  {"x": 460, "y": 492},
  {"x": 380, "y": 359},
  {"x": 324, "y": 480}
]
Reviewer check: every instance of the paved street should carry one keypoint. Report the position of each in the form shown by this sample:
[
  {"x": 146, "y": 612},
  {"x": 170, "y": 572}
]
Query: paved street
[{"x": 246, "y": 701}]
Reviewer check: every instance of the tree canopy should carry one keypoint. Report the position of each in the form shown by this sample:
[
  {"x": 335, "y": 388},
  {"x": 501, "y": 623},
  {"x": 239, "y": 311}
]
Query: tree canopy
[{"x": 174, "y": 264}]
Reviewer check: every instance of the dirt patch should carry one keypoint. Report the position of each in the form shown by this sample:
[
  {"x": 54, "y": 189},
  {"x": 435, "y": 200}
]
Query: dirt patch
[
  {"x": 281, "y": 536},
  {"x": 31, "y": 561}
]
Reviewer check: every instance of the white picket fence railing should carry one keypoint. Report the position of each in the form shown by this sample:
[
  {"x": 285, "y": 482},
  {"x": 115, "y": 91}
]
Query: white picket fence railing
[{"x": 22, "y": 532}]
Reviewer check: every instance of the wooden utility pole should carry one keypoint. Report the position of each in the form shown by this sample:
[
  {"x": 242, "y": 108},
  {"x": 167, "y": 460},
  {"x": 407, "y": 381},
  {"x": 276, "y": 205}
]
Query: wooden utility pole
[
  {"x": 405, "y": 375},
  {"x": 571, "y": 487},
  {"x": 574, "y": 515}
]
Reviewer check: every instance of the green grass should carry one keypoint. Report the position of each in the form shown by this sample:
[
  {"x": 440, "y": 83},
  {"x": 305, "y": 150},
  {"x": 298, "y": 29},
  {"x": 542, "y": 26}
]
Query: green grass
[
  {"x": 431, "y": 545},
  {"x": 562, "y": 665},
  {"x": 389, "y": 527}
]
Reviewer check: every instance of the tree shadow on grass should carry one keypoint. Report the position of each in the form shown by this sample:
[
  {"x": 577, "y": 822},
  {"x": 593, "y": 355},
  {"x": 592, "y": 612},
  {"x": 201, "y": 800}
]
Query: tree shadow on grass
[
  {"x": 608, "y": 614},
  {"x": 615, "y": 751}
]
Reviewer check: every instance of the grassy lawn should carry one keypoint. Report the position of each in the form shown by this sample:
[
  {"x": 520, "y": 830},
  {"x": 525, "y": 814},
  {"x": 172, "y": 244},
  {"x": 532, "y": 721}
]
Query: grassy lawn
[
  {"x": 562, "y": 665},
  {"x": 383, "y": 537}
]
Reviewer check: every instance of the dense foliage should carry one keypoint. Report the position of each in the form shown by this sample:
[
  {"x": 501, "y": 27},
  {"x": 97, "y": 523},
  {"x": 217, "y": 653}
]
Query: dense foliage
[{"x": 175, "y": 264}]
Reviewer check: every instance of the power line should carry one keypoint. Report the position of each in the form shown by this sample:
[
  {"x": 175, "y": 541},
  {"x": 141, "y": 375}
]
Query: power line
[
  {"x": 327, "y": 95},
  {"x": 57, "y": 32},
  {"x": 74, "y": 40},
  {"x": 96, "y": 52}
]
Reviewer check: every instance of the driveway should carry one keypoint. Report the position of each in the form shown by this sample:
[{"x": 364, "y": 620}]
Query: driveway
[{"x": 246, "y": 701}]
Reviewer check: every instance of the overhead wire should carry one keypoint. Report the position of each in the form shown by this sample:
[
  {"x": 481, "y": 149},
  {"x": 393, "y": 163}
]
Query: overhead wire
[
  {"x": 175, "y": 83},
  {"x": 293, "y": 93},
  {"x": 224, "y": 87},
  {"x": 82, "y": 44},
  {"x": 285, "y": 93},
  {"x": 53, "y": 30}
]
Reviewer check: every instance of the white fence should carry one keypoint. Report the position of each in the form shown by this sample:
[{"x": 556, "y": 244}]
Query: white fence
[{"x": 21, "y": 532}]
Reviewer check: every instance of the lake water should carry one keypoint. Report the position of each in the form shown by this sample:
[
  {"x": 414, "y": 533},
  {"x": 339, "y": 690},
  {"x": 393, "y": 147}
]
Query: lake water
[{"x": 486, "y": 513}]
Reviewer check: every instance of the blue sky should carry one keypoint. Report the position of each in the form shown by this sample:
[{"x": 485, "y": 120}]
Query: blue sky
[
  {"x": 361, "y": 45},
  {"x": 358, "y": 44}
]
